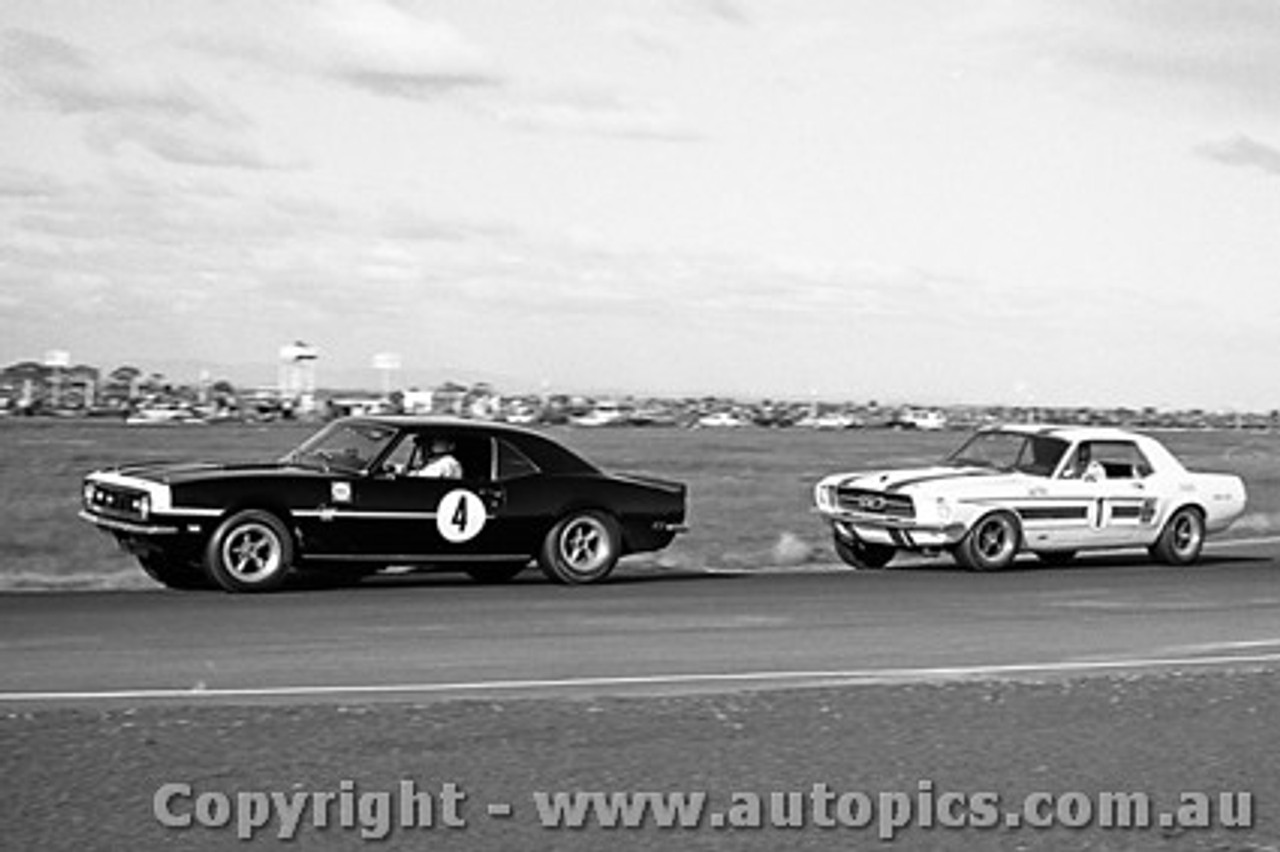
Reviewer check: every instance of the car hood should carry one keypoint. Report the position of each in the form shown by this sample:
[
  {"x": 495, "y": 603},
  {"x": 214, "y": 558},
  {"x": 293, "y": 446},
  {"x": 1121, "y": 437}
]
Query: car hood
[
  {"x": 936, "y": 478},
  {"x": 176, "y": 473}
]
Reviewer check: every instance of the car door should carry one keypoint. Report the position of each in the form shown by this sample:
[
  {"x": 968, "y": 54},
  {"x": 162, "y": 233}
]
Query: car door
[
  {"x": 1059, "y": 514},
  {"x": 397, "y": 514},
  {"x": 1127, "y": 504},
  {"x": 1105, "y": 483}
]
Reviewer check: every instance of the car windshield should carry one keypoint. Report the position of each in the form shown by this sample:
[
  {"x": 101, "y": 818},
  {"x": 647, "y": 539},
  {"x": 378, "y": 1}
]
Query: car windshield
[
  {"x": 344, "y": 446},
  {"x": 1008, "y": 451}
]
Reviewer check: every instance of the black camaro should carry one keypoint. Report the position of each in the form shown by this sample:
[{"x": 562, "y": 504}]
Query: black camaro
[{"x": 367, "y": 492}]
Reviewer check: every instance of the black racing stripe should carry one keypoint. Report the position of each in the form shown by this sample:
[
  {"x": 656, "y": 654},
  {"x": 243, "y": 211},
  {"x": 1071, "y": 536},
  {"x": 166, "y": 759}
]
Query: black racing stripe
[
  {"x": 939, "y": 477},
  {"x": 1125, "y": 511},
  {"x": 1053, "y": 513}
]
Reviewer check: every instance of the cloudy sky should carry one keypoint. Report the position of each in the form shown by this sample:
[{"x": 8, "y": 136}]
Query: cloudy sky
[{"x": 925, "y": 200}]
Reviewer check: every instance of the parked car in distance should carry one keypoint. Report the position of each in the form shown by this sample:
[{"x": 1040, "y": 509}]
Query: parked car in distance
[
  {"x": 1053, "y": 491},
  {"x": 353, "y": 499}
]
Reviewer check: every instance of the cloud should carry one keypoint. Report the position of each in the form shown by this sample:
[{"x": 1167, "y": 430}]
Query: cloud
[
  {"x": 1243, "y": 152},
  {"x": 1227, "y": 51},
  {"x": 189, "y": 142},
  {"x": 724, "y": 11},
  {"x": 133, "y": 102},
  {"x": 21, "y": 183},
  {"x": 595, "y": 113},
  {"x": 384, "y": 48},
  {"x": 665, "y": 28},
  {"x": 373, "y": 45},
  {"x": 73, "y": 80}
]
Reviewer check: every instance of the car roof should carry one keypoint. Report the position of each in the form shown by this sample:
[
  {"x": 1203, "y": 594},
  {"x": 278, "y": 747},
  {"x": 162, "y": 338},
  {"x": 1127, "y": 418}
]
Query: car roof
[
  {"x": 420, "y": 421},
  {"x": 1067, "y": 432},
  {"x": 548, "y": 453}
]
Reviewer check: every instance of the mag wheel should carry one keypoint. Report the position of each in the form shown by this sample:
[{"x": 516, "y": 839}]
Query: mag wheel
[
  {"x": 581, "y": 548},
  {"x": 992, "y": 543},
  {"x": 860, "y": 554},
  {"x": 1182, "y": 538},
  {"x": 250, "y": 552},
  {"x": 174, "y": 573}
]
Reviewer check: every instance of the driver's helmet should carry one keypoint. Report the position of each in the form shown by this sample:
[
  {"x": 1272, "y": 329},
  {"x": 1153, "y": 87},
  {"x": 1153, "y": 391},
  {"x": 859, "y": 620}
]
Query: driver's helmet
[{"x": 440, "y": 445}]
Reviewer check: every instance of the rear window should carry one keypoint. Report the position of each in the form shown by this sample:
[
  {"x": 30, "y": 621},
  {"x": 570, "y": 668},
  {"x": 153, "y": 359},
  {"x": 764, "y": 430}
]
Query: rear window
[{"x": 513, "y": 464}]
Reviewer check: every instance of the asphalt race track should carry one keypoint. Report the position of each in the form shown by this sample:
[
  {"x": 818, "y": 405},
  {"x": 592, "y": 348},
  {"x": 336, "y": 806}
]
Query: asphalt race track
[
  {"x": 1111, "y": 675},
  {"x": 443, "y": 636}
]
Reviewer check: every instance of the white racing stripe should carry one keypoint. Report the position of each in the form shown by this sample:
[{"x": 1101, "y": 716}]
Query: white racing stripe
[{"x": 759, "y": 679}]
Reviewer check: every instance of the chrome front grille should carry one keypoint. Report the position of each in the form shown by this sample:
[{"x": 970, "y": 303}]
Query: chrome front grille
[
  {"x": 116, "y": 502},
  {"x": 875, "y": 503}
]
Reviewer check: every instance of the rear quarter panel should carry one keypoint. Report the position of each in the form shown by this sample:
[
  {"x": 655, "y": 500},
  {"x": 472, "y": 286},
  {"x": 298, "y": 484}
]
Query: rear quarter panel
[
  {"x": 1222, "y": 496},
  {"x": 536, "y": 504}
]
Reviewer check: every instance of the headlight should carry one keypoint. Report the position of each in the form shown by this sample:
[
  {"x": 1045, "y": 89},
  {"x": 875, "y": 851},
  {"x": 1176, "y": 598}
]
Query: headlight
[
  {"x": 88, "y": 493},
  {"x": 142, "y": 505}
]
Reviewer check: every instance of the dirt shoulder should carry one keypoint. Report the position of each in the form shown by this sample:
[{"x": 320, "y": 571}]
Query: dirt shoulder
[{"x": 83, "y": 779}]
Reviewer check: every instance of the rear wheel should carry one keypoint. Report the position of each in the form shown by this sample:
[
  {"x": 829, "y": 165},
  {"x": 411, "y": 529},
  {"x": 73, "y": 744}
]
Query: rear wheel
[
  {"x": 582, "y": 548},
  {"x": 860, "y": 554},
  {"x": 1182, "y": 538},
  {"x": 991, "y": 544},
  {"x": 251, "y": 551},
  {"x": 495, "y": 573},
  {"x": 175, "y": 573}
]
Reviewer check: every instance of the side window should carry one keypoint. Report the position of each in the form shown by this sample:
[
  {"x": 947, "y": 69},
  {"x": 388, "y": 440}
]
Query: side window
[
  {"x": 474, "y": 454},
  {"x": 1122, "y": 460},
  {"x": 1108, "y": 459},
  {"x": 1078, "y": 463},
  {"x": 399, "y": 459},
  {"x": 468, "y": 456},
  {"x": 512, "y": 463}
]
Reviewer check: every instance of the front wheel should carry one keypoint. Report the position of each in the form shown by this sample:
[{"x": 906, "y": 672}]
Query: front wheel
[
  {"x": 1182, "y": 538},
  {"x": 991, "y": 544},
  {"x": 251, "y": 551},
  {"x": 582, "y": 548},
  {"x": 860, "y": 554}
]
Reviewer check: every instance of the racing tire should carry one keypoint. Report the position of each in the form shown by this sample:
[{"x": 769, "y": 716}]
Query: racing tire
[
  {"x": 251, "y": 551},
  {"x": 1182, "y": 538},
  {"x": 174, "y": 573},
  {"x": 581, "y": 548},
  {"x": 495, "y": 573},
  {"x": 991, "y": 544},
  {"x": 861, "y": 555}
]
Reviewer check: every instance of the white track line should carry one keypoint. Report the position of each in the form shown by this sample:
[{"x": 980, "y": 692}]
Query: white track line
[{"x": 765, "y": 678}]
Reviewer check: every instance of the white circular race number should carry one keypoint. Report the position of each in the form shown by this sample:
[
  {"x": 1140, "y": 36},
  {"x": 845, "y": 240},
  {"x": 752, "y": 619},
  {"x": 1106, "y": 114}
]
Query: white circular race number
[{"x": 460, "y": 516}]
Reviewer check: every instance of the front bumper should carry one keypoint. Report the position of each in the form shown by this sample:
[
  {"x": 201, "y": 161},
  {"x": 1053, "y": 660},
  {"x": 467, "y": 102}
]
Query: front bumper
[
  {"x": 116, "y": 525},
  {"x": 901, "y": 533}
]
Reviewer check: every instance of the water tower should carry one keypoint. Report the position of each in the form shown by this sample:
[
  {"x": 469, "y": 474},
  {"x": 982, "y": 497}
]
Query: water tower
[
  {"x": 298, "y": 375},
  {"x": 386, "y": 363}
]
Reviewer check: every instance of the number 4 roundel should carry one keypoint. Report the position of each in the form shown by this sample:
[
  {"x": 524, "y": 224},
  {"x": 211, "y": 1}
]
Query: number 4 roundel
[{"x": 460, "y": 516}]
